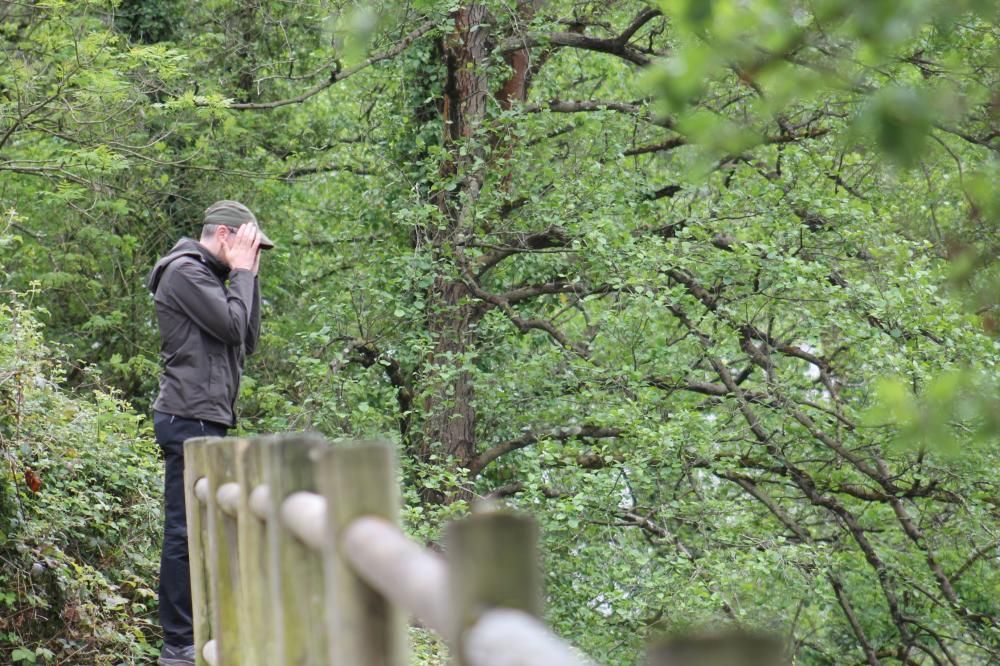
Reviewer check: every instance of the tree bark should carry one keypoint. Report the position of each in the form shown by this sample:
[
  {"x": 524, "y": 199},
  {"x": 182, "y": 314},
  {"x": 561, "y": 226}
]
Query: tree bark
[
  {"x": 450, "y": 423},
  {"x": 450, "y": 418}
]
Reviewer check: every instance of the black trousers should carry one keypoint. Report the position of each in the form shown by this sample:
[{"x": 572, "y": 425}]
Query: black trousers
[{"x": 175, "y": 572}]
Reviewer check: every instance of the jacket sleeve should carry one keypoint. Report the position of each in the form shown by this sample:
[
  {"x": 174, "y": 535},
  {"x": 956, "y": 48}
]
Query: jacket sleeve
[
  {"x": 200, "y": 295},
  {"x": 253, "y": 326}
]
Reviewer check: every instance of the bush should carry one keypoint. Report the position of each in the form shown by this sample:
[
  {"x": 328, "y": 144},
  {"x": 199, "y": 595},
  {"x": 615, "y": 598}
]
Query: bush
[{"x": 79, "y": 511}]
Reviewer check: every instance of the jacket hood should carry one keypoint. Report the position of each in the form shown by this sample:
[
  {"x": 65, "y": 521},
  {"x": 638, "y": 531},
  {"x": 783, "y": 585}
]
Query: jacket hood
[{"x": 185, "y": 247}]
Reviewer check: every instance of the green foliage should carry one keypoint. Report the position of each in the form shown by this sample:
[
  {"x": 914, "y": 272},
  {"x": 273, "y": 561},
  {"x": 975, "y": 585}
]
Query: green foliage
[
  {"x": 148, "y": 22},
  {"x": 794, "y": 56},
  {"x": 957, "y": 412},
  {"x": 542, "y": 303},
  {"x": 426, "y": 649},
  {"x": 79, "y": 510}
]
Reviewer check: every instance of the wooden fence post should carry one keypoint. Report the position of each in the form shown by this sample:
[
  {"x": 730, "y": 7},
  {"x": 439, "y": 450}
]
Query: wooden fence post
[
  {"x": 297, "y": 587},
  {"x": 492, "y": 563},
  {"x": 256, "y": 618},
  {"x": 195, "y": 468},
  {"x": 733, "y": 649},
  {"x": 359, "y": 480},
  {"x": 223, "y": 560}
]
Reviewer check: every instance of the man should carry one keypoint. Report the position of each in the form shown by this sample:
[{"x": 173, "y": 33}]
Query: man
[{"x": 207, "y": 328}]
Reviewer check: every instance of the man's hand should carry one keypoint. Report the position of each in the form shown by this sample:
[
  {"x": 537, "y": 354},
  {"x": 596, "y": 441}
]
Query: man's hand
[
  {"x": 243, "y": 253},
  {"x": 256, "y": 262}
]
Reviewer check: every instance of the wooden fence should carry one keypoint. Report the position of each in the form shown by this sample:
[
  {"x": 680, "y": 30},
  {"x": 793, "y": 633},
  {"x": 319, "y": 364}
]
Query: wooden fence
[{"x": 297, "y": 559}]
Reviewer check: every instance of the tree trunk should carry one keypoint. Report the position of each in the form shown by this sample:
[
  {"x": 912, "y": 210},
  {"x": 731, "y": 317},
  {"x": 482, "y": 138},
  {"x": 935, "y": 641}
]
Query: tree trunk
[{"x": 450, "y": 424}]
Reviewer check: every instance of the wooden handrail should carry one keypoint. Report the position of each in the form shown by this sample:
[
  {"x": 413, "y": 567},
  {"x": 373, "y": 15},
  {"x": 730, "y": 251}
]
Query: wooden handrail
[
  {"x": 345, "y": 514},
  {"x": 506, "y": 637},
  {"x": 404, "y": 572},
  {"x": 297, "y": 557},
  {"x": 304, "y": 513}
]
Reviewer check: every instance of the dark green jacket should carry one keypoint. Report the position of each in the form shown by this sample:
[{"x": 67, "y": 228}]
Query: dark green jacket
[{"x": 206, "y": 330}]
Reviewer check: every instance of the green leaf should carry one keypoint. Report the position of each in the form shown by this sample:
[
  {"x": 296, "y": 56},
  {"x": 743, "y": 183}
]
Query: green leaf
[{"x": 23, "y": 655}]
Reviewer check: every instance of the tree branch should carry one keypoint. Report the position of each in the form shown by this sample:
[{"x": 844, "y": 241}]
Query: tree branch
[
  {"x": 975, "y": 557},
  {"x": 578, "y": 41},
  {"x": 859, "y": 632},
  {"x": 531, "y": 291},
  {"x": 669, "y": 144},
  {"x": 367, "y": 354},
  {"x": 987, "y": 141},
  {"x": 554, "y": 236},
  {"x": 532, "y": 436},
  {"x": 642, "y": 19},
  {"x": 806, "y": 484},
  {"x": 589, "y": 106},
  {"x": 751, "y": 487},
  {"x": 511, "y": 489},
  {"x": 296, "y": 172},
  {"x": 338, "y": 75},
  {"x": 676, "y": 142},
  {"x": 60, "y": 173}
]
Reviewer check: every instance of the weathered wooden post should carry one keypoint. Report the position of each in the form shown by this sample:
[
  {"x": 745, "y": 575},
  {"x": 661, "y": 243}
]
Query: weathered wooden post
[
  {"x": 492, "y": 563},
  {"x": 296, "y": 568},
  {"x": 223, "y": 560},
  {"x": 199, "y": 547},
  {"x": 730, "y": 649},
  {"x": 359, "y": 480},
  {"x": 256, "y": 618}
]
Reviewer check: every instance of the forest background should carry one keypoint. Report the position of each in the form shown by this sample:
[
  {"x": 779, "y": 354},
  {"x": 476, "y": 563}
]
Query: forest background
[{"x": 710, "y": 288}]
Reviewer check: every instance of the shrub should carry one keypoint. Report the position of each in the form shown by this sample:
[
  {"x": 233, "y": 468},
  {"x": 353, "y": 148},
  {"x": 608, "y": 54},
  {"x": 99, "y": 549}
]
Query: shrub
[{"x": 79, "y": 510}]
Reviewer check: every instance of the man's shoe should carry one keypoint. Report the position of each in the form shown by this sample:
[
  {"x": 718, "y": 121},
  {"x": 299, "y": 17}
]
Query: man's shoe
[{"x": 174, "y": 655}]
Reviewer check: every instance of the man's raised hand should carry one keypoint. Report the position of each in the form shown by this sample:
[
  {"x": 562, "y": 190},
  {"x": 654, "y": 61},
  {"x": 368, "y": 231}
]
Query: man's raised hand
[{"x": 243, "y": 253}]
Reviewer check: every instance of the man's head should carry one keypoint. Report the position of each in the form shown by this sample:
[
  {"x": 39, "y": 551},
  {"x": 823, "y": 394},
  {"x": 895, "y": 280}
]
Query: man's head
[{"x": 222, "y": 220}]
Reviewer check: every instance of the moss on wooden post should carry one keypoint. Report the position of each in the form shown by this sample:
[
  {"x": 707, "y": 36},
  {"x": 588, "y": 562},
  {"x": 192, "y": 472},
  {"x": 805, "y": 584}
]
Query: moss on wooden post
[
  {"x": 359, "y": 480},
  {"x": 195, "y": 468},
  {"x": 492, "y": 563},
  {"x": 297, "y": 588},
  {"x": 223, "y": 554},
  {"x": 728, "y": 649},
  {"x": 256, "y": 619}
]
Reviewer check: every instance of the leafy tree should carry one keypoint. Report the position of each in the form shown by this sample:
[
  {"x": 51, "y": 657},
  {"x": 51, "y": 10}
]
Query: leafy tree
[{"x": 640, "y": 270}]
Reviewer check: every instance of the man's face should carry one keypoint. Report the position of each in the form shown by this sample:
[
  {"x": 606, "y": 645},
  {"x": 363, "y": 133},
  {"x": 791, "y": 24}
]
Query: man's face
[{"x": 227, "y": 236}]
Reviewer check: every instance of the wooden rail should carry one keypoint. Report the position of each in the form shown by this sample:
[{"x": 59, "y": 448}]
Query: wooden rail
[{"x": 297, "y": 558}]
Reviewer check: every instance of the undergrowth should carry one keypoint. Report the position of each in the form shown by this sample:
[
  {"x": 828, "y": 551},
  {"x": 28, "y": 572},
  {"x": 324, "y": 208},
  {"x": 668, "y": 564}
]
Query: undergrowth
[{"x": 79, "y": 510}]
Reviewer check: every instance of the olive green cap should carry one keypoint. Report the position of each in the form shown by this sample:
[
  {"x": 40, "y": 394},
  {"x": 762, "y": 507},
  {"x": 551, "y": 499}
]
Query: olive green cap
[{"x": 234, "y": 214}]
